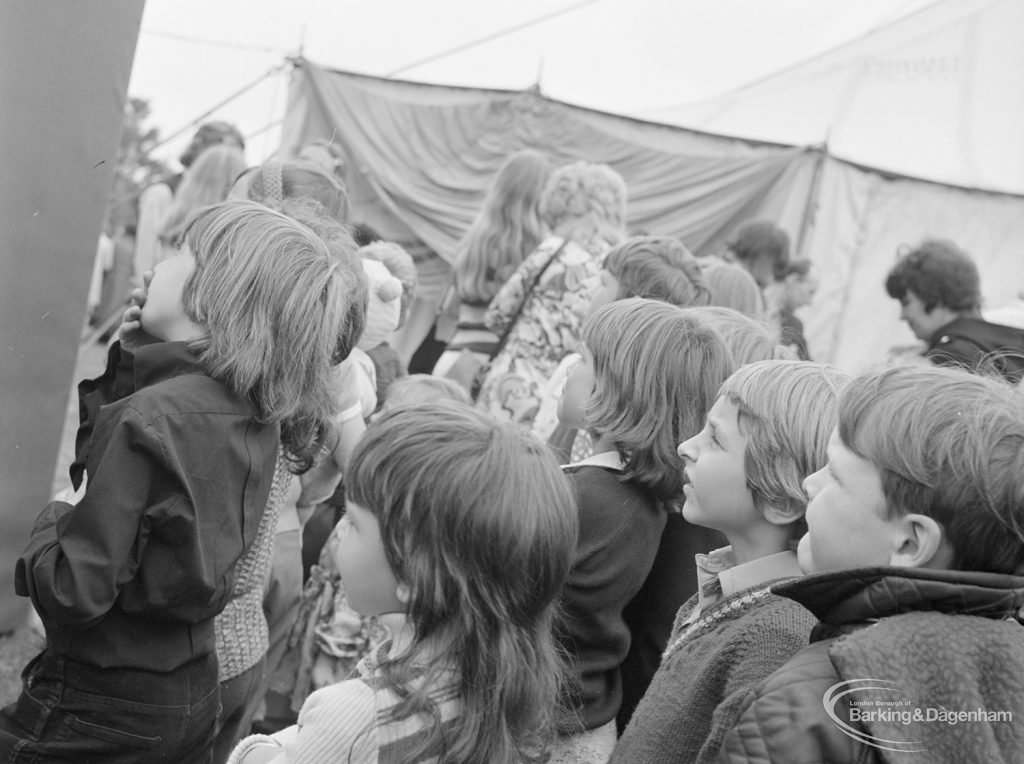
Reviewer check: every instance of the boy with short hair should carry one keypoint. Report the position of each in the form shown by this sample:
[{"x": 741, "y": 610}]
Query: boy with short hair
[
  {"x": 916, "y": 532},
  {"x": 766, "y": 432}
]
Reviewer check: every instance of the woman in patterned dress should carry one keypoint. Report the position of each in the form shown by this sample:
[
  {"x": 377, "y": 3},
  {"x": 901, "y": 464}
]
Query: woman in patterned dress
[{"x": 584, "y": 206}]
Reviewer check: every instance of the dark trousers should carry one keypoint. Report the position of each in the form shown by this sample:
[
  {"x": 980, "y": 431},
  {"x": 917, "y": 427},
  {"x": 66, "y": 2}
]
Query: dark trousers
[{"x": 71, "y": 711}]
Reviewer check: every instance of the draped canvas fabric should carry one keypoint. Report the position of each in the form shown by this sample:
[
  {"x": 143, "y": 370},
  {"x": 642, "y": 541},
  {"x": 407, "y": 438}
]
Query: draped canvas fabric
[{"x": 421, "y": 157}]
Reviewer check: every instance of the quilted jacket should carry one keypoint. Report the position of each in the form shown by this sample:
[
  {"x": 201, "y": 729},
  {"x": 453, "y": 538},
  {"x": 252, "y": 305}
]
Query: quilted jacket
[{"x": 932, "y": 641}]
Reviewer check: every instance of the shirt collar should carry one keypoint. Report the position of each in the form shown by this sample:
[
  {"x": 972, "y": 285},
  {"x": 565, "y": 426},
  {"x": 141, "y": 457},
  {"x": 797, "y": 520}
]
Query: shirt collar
[
  {"x": 608, "y": 459},
  {"x": 735, "y": 578}
]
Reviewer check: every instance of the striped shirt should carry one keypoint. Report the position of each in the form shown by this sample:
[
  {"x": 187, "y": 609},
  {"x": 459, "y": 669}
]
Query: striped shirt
[{"x": 354, "y": 721}]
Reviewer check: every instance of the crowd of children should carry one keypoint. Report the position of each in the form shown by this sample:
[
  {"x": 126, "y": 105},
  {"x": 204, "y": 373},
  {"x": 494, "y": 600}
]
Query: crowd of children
[{"x": 743, "y": 557}]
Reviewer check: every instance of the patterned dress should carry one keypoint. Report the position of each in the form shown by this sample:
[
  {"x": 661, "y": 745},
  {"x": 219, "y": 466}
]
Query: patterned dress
[{"x": 547, "y": 329}]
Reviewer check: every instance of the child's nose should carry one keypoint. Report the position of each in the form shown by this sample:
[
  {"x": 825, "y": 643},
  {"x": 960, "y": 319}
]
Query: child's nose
[
  {"x": 685, "y": 449},
  {"x": 810, "y": 484}
]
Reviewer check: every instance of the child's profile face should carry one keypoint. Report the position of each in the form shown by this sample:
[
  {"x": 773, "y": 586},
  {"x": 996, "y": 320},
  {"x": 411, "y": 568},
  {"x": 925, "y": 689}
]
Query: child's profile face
[
  {"x": 715, "y": 487},
  {"x": 846, "y": 517},
  {"x": 607, "y": 292},
  {"x": 162, "y": 314},
  {"x": 579, "y": 386},
  {"x": 370, "y": 585}
]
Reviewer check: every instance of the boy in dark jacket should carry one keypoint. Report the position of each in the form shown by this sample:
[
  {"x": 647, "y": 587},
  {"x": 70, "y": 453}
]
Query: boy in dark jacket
[{"x": 916, "y": 534}]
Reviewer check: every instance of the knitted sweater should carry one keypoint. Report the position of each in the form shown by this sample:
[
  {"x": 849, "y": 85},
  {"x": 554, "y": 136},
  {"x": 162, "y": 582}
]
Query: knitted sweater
[
  {"x": 707, "y": 671},
  {"x": 240, "y": 630},
  {"x": 353, "y": 721}
]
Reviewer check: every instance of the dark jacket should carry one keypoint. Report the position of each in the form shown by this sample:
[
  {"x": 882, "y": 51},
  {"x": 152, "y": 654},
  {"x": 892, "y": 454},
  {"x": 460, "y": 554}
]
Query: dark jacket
[
  {"x": 925, "y": 639},
  {"x": 179, "y": 472},
  {"x": 970, "y": 342}
]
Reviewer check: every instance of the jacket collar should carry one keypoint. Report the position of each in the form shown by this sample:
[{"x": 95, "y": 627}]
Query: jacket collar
[
  {"x": 853, "y": 596},
  {"x": 162, "y": 360}
]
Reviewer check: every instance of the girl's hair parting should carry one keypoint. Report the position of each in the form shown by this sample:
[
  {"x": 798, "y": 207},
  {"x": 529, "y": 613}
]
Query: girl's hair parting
[
  {"x": 506, "y": 230},
  {"x": 207, "y": 181},
  {"x": 656, "y": 372},
  {"x": 400, "y": 265},
  {"x": 480, "y": 524},
  {"x": 274, "y": 182},
  {"x": 586, "y": 203},
  {"x": 748, "y": 339},
  {"x": 950, "y": 445},
  {"x": 659, "y": 268},
  {"x": 274, "y": 302},
  {"x": 421, "y": 388},
  {"x": 787, "y": 411}
]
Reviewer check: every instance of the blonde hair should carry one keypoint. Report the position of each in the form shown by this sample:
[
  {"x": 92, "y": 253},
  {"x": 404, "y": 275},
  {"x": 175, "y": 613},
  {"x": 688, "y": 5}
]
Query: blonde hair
[
  {"x": 305, "y": 192},
  {"x": 273, "y": 302},
  {"x": 480, "y": 524},
  {"x": 656, "y": 372},
  {"x": 506, "y": 230},
  {"x": 206, "y": 182},
  {"x": 586, "y": 203},
  {"x": 787, "y": 411},
  {"x": 748, "y": 339}
]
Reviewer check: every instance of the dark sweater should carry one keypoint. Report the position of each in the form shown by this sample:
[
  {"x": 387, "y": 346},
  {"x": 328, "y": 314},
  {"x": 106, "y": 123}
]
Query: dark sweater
[
  {"x": 620, "y": 526},
  {"x": 651, "y": 614}
]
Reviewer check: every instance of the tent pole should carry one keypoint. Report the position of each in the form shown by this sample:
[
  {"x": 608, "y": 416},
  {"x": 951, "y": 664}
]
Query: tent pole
[{"x": 811, "y": 209}]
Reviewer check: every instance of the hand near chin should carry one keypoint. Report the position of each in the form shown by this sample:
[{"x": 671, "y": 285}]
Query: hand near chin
[{"x": 131, "y": 333}]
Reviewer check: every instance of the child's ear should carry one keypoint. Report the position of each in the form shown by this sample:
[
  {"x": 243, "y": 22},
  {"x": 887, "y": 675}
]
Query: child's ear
[
  {"x": 782, "y": 515},
  {"x": 403, "y": 593},
  {"x": 920, "y": 542}
]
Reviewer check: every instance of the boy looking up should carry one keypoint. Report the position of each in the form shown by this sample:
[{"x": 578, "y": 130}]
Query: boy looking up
[{"x": 916, "y": 544}]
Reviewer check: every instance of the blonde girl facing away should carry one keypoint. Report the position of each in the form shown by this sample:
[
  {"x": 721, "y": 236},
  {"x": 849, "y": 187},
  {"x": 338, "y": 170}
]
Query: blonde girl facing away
[
  {"x": 648, "y": 373},
  {"x": 507, "y": 229},
  {"x": 466, "y": 527},
  {"x": 179, "y": 454},
  {"x": 206, "y": 182}
]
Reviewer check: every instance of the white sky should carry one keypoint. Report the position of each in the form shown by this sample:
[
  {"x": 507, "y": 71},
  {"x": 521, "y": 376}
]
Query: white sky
[{"x": 625, "y": 56}]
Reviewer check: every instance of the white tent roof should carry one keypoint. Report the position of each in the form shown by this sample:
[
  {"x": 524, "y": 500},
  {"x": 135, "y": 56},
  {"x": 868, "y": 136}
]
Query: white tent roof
[{"x": 937, "y": 95}]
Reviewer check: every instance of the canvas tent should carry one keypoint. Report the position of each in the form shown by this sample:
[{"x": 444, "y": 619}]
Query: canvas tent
[{"x": 421, "y": 156}]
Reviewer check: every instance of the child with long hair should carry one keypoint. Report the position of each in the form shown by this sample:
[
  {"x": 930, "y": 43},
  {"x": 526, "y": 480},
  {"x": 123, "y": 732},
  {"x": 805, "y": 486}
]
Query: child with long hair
[
  {"x": 655, "y": 267},
  {"x": 648, "y": 373},
  {"x": 252, "y": 631},
  {"x": 466, "y": 528},
  {"x": 765, "y": 433},
  {"x": 244, "y": 322},
  {"x": 507, "y": 229},
  {"x": 206, "y": 182},
  {"x": 540, "y": 309}
]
